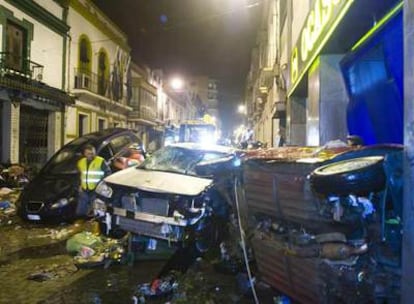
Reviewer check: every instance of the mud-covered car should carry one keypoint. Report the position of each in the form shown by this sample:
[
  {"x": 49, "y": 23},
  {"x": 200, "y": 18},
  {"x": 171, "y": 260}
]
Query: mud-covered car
[
  {"x": 52, "y": 194},
  {"x": 182, "y": 193}
]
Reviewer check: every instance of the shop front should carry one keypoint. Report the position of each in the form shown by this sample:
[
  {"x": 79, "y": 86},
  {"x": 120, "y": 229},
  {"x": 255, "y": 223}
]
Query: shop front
[
  {"x": 334, "y": 54},
  {"x": 31, "y": 119}
]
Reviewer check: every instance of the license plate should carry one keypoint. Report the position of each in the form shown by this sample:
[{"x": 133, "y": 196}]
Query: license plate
[{"x": 33, "y": 217}]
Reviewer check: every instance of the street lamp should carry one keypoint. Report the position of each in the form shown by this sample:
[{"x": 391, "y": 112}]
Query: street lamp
[
  {"x": 177, "y": 83},
  {"x": 241, "y": 109}
]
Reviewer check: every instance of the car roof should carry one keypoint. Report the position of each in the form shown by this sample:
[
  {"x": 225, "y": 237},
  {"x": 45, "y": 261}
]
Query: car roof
[
  {"x": 204, "y": 147},
  {"x": 96, "y": 138}
]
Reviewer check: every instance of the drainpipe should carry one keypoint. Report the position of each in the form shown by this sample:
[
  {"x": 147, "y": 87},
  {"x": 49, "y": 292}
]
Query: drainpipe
[
  {"x": 289, "y": 44},
  {"x": 67, "y": 41}
]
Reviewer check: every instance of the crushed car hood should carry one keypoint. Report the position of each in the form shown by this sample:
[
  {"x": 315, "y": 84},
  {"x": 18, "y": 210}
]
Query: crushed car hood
[{"x": 160, "y": 182}]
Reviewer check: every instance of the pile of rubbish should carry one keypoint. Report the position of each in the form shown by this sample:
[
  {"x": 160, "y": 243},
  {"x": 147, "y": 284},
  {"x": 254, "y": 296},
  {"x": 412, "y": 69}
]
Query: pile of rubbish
[
  {"x": 14, "y": 176},
  {"x": 160, "y": 287},
  {"x": 12, "y": 179},
  {"x": 93, "y": 250},
  {"x": 8, "y": 197}
]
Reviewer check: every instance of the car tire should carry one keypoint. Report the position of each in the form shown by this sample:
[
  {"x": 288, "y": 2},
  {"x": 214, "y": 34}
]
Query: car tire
[{"x": 358, "y": 176}]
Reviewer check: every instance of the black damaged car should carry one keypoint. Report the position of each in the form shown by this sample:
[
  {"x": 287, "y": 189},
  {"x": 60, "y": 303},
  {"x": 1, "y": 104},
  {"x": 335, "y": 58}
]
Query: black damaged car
[{"x": 52, "y": 194}]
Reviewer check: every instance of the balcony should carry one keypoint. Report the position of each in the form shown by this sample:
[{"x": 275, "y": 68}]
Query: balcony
[
  {"x": 20, "y": 67},
  {"x": 266, "y": 80},
  {"x": 91, "y": 87},
  {"x": 23, "y": 79},
  {"x": 143, "y": 114}
]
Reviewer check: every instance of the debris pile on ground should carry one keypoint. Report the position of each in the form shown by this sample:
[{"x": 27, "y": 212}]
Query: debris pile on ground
[
  {"x": 15, "y": 176},
  {"x": 160, "y": 287},
  {"x": 52, "y": 272},
  {"x": 93, "y": 250},
  {"x": 8, "y": 198}
]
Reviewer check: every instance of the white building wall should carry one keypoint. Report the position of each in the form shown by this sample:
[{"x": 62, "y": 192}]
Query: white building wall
[
  {"x": 54, "y": 134},
  {"x": 51, "y": 6},
  {"x": 46, "y": 46},
  {"x": 80, "y": 26},
  {"x": 299, "y": 13},
  {"x": 105, "y": 109},
  {"x": 46, "y": 49}
]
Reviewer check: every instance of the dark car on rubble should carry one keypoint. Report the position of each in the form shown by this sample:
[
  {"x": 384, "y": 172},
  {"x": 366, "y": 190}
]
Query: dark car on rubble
[
  {"x": 327, "y": 223},
  {"x": 52, "y": 194},
  {"x": 182, "y": 193}
]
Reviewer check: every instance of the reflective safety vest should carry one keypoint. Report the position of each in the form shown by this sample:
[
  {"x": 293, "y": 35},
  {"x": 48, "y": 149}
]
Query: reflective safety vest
[{"x": 92, "y": 173}]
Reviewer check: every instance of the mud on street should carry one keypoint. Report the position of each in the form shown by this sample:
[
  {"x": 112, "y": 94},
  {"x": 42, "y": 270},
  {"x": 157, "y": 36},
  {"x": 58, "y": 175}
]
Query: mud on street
[{"x": 35, "y": 267}]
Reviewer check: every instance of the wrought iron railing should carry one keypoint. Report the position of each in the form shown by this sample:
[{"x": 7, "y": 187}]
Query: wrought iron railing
[
  {"x": 143, "y": 112},
  {"x": 15, "y": 65},
  {"x": 91, "y": 82}
]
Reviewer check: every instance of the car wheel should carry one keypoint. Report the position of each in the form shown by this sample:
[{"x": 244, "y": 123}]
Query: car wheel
[{"x": 357, "y": 176}]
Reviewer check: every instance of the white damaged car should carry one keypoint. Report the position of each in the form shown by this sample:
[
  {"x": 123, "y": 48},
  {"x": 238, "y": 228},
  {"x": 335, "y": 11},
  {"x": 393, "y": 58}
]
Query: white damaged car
[{"x": 182, "y": 194}]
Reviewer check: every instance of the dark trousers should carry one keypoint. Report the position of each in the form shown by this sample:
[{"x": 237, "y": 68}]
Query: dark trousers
[{"x": 85, "y": 200}]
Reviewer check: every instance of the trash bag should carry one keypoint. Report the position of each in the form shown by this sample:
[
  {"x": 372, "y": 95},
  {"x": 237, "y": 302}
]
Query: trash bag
[
  {"x": 158, "y": 288},
  {"x": 75, "y": 244}
]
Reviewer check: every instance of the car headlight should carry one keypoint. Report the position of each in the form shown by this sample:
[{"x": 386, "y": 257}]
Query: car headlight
[
  {"x": 60, "y": 203},
  {"x": 104, "y": 190},
  {"x": 99, "y": 205}
]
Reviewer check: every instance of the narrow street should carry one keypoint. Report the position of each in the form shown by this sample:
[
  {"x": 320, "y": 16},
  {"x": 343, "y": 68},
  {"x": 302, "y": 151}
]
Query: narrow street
[{"x": 35, "y": 267}]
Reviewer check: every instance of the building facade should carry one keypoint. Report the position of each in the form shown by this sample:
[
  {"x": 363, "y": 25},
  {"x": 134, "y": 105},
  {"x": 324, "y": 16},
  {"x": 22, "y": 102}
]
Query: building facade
[
  {"x": 33, "y": 40},
  {"x": 204, "y": 92},
  {"x": 145, "y": 116},
  {"x": 302, "y": 81},
  {"x": 99, "y": 73},
  {"x": 265, "y": 93}
]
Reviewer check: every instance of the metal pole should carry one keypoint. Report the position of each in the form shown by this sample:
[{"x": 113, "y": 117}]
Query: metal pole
[{"x": 407, "y": 292}]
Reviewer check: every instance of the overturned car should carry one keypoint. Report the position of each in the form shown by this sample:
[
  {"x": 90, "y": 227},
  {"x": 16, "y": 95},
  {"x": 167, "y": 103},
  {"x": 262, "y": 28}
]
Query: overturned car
[
  {"x": 181, "y": 194},
  {"x": 326, "y": 223}
]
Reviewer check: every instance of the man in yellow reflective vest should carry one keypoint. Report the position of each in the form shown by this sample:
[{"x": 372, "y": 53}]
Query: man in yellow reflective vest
[{"x": 92, "y": 170}]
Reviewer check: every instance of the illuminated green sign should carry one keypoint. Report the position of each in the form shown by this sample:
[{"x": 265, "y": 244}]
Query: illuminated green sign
[{"x": 322, "y": 20}]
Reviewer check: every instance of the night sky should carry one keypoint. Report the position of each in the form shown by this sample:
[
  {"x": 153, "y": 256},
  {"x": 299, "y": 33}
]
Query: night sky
[{"x": 198, "y": 37}]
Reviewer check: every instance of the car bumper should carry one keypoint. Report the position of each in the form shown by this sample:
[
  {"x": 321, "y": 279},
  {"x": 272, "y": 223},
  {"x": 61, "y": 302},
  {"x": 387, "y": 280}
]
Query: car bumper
[{"x": 156, "y": 226}]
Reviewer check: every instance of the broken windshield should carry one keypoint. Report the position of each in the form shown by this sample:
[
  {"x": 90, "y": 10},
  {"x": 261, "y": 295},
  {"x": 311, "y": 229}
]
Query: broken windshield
[{"x": 178, "y": 160}]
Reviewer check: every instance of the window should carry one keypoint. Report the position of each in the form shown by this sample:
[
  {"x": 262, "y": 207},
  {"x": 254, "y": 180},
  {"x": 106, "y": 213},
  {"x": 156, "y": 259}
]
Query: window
[
  {"x": 85, "y": 55},
  {"x": 101, "y": 124},
  {"x": 103, "y": 72},
  {"x": 15, "y": 46},
  {"x": 119, "y": 142},
  {"x": 105, "y": 152},
  {"x": 83, "y": 124}
]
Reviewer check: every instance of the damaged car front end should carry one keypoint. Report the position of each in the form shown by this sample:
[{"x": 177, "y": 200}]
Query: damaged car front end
[{"x": 181, "y": 194}]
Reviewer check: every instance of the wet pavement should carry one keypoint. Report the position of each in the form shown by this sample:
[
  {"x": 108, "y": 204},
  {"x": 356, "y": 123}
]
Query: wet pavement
[
  {"x": 36, "y": 268},
  {"x": 28, "y": 249}
]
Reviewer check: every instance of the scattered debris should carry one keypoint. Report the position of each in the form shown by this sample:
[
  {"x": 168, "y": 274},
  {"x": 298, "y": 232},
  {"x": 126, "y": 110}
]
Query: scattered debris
[
  {"x": 93, "y": 250},
  {"x": 157, "y": 288},
  {"x": 54, "y": 271},
  {"x": 15, "y": 176}
]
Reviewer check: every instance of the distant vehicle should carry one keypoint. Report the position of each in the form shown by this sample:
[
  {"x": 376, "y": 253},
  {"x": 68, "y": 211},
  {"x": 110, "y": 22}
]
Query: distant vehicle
[
  {"x": 52, "y": 194},
  {"x": 197, "y": 131},
  {"x": 181, "y": 194}
]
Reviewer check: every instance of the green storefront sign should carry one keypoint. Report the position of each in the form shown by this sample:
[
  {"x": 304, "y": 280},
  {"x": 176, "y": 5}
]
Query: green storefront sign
[{"x": 322, "y": 20}]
